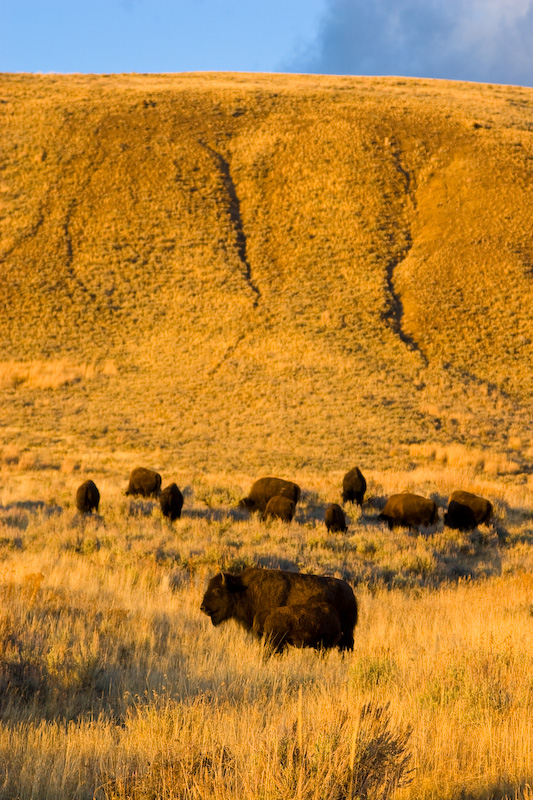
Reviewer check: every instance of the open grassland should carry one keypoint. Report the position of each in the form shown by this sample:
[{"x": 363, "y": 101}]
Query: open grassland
[
  {"x": 226, "y": 276},
  {"x": 114, "y": 685},
  {"x": 265, "y": 272}
]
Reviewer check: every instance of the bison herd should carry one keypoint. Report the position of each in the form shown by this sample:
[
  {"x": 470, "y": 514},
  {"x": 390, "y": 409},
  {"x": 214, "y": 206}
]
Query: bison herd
[
  {"x": 143, "y": 482},
  {"x": 289, "y": 608}
]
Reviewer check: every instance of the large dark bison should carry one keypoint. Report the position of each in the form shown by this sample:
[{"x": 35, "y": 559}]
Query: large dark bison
[
  {"x": 265, "y": 488},
  {"x": 171, "y": 502},
  {"x": 353, "y": 487},
  {"x": 241, "y": 597},
  {"x": 335, "y": 519},
  {"x": 87, "y": 497},
  {"x": 409, "y": 510},
  {"x": 144, "y": 482},
  {"x": 466, "y": 511},
  {"x": 312, "y": 624},
  {"x": 279, "y": 507}
]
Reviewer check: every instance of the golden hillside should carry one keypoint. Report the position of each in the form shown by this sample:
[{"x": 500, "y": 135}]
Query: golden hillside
[{"x": 242, "y": 272}]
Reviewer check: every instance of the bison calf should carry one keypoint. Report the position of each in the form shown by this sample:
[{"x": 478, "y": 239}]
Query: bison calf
[
  {"x": 312, "y": 624},
  {"x": 265, "y": 488},
  {"x": 144, "y": 482},
  {"x": 353, "y": 487},
  {"x": 335, "y": 519},
  {"x": 171, "y": 502},
  {"x": 466, "y": 511},
  {"x": 410, "y": 510},
  {"x": 279, "y": 508},
  {"x": 87, "y": 497}
]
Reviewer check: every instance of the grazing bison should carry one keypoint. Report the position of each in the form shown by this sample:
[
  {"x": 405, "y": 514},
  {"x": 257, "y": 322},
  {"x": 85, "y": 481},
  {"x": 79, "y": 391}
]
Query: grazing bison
[
  {"x": 171, "y": 502},
  {"x": 279, "y": 507},
  {"x": 265, "y": 488},
  {"x": 466, "y": 511},
  {"x": 335, "y": 519},
  {"x": 312, "y": 624},
  {"x": 145, "y": 482},
  {"x": 254, "y": 591},
  {"x": 87, "y": 497},
  {"x": 353, "y": 487},
  {"x": 410, "y": 510}
]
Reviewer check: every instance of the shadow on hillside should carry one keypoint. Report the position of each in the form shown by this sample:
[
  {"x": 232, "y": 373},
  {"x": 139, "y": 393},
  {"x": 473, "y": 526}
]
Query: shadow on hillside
[
  {"x": 34, "y": 506},
  {"x": 142, "y": 508},
  {"x": 217, "y": 514},
  {"x": 17, "y": 515},
  {"x": 84, "y": 521},
  {"x": 516, "y": 791}
]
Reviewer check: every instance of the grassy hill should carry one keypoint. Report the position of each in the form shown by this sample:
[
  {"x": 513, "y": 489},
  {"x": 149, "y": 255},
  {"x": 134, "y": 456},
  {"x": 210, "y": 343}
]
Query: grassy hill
[
  {"x": 223, "y": 275},
  {"x": 243, "y": 272}
]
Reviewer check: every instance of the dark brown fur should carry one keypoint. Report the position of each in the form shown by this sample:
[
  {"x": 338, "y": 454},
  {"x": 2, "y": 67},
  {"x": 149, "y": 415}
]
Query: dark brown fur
[
  {"x": 312, "y": 624},
  {"x": 335, "y": 519},
  {"x": 280, "y": 508},
  {"x": 144, "y": 482},
  {"x": 171, "y": 502},
  {"x": 87, "y": 497},
  {"x": 241, "y": 597},
  {"x": 410, "y": 510},
  {"x": 354, "y": 487},
  {"x": 466, "y": 511},
  {"x": 264, "y": 489}
]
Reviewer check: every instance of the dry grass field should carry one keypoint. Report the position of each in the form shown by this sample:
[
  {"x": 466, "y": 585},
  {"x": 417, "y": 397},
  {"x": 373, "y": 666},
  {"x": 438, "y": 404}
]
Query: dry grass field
[{"x": 226, "y": 276}]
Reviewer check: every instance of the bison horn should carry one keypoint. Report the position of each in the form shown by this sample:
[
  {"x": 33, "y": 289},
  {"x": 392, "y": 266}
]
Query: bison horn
[{"x": 223, "y": 578}]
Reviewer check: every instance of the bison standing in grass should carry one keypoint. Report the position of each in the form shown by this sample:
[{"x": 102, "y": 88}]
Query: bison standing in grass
[
  {"x": 312, "y": 624},
  {"x": 144, "y": 482},
  {"x": 171, "y": 502},
  {"x": 409, "y": 510},
  {"x": 255, "y": 591},
  {"x": 280, "y": 508},
  {"x": 466, "y": 511},
  {"x": 354, "y": 487},
  {"x": 335, "y": 519},
  {"x": 87, "y": 497},
  {"x": 265, "y": 488}
]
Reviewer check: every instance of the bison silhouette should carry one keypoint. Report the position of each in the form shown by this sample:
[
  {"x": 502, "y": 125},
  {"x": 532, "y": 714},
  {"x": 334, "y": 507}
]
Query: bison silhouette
[
  {"x": 335, "y": 519},
  {"x": 279, "y": 507},
  {"x": 256, "y": 590},
  {"x": 466, "y": 511},
  {"x": 312, "y": 624},
  {"x": 265, "y": 488},
  {"x": 171, "y": 502},
  {"x": 87, "y": 497},
  {"x": 409, "y": 510},
  {"x": 144, "y": 482},
  {"x": 353, "y": 487}
]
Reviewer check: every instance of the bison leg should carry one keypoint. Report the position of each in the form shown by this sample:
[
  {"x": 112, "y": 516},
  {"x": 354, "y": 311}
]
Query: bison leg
[{"x": 346, "y": 641}]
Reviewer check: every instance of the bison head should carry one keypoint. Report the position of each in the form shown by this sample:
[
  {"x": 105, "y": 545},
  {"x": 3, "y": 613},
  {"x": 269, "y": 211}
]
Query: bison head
[
  {"x": 219, "y": 599},
  {"x": 247, "y": 504}
]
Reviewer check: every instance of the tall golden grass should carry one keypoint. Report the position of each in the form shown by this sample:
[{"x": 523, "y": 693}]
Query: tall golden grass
[
  {"x": 223, "y": 276},
  {"x": 114, "y": 685}
]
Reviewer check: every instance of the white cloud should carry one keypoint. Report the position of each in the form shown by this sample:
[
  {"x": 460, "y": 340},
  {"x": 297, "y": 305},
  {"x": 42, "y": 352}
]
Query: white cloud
[{"x": 478, "y": 40}]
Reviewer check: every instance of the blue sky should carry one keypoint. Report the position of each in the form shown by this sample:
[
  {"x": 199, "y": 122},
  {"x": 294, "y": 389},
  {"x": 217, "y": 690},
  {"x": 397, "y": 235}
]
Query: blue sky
[{"x": 478, "y": 40}]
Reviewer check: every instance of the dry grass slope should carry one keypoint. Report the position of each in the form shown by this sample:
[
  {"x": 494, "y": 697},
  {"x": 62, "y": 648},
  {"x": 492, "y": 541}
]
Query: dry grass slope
[
  {"x": 220, "y": 276},
  {"x": 285, "y": 272}
]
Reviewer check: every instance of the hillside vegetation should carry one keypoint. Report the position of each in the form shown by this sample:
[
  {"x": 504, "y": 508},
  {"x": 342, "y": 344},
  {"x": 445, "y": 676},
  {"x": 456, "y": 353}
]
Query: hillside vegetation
[
  {"x": 220, "y": 276},
  {"x": 237, "y": 272}
]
